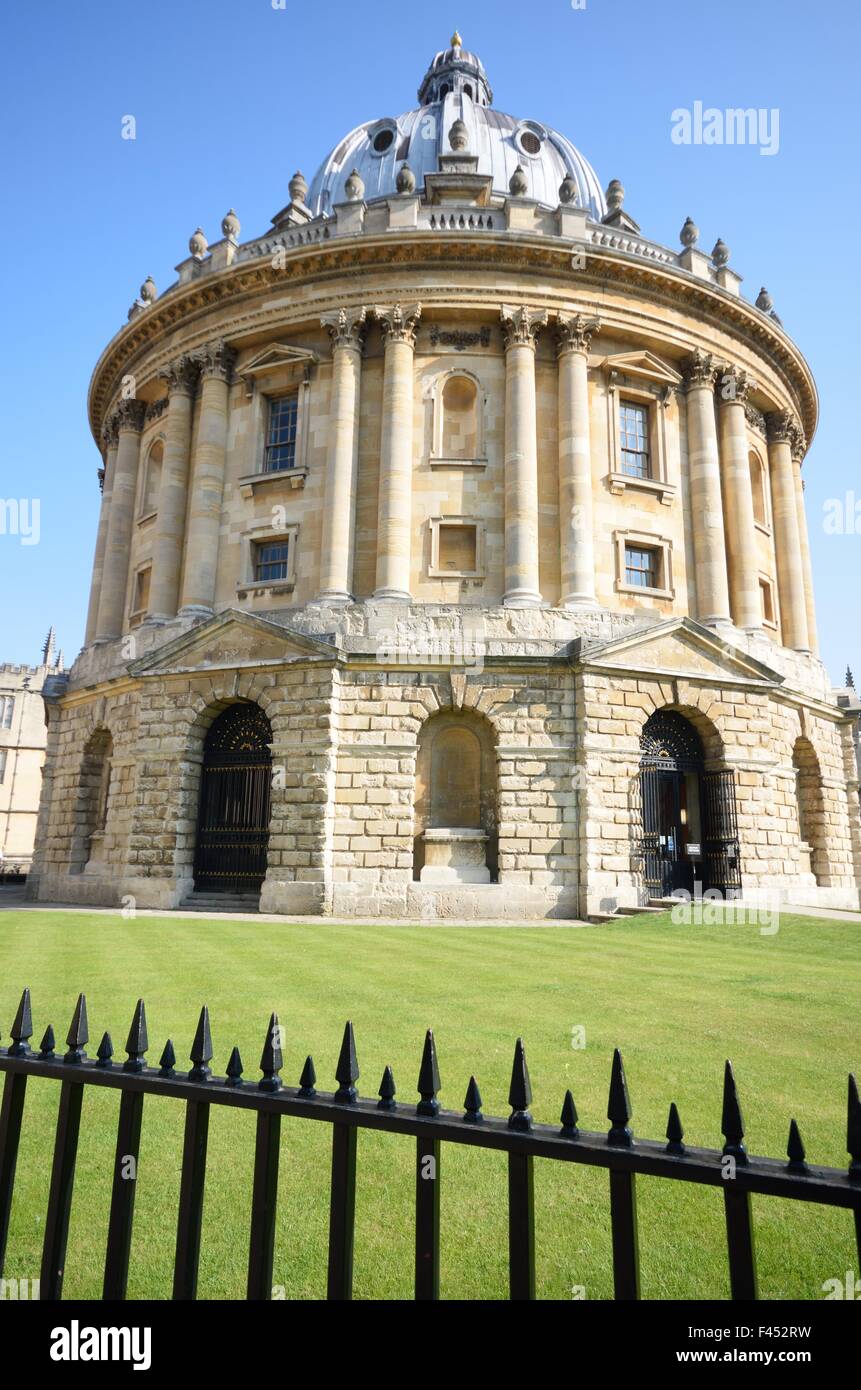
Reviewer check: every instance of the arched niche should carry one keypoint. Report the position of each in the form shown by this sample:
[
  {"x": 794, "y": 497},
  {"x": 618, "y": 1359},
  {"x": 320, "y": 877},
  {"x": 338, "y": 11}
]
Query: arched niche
[
  {"x": 456, "y": 783},
  {"x": 812, "y": 830},
  {"x": 92, "y": 806},
  {"x": 458, "y": 432}
]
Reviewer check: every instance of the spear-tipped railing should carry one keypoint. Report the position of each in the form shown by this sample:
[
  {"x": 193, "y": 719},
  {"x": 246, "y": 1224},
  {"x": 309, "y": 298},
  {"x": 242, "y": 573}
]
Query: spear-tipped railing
[{"x": 732, "y": 1169}]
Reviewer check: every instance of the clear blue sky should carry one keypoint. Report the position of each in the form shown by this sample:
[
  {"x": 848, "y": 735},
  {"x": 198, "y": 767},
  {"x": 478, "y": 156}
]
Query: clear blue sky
[{"x": 230, "y": 98}]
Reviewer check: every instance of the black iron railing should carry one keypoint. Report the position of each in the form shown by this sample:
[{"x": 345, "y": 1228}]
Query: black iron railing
[{"x": 737, "y": 1173}]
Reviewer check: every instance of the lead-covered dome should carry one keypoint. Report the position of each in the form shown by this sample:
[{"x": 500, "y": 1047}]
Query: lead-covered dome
[{"x": 455, "y": 87}]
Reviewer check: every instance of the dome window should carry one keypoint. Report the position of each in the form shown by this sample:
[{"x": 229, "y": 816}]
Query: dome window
[
  {"x": 529, "y": 138},
  {"x": 383, "y": 138}
]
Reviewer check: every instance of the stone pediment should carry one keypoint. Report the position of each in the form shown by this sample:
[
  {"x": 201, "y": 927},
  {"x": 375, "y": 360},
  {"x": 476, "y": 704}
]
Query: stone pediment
[
  {"x": 274, "y": 357},
  {"x": 677, "y": 648},
  {"x": 643, "y": 365},
  {"x": 230, "y": 641}
]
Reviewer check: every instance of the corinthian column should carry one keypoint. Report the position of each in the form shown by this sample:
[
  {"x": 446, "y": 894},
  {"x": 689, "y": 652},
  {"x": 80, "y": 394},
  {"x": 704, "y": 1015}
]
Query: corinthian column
[
  {"x": 110, "y": 435},
  {"x": 115, "y": 573},
  {"x": 399, "y": 324},
  {"x": 742, "y": 552},
  {"x": 573, "y": 337},
  {"x": 799, "y": 449},
  {"x": 204, "y": 520},
  {"x": 521, "y": 327},
  {"x": 787, "y": 542},
  {"x": 346, "y": 329},
  {"x": 181, "y": 378},
  {"x": 706, "y": 504}
]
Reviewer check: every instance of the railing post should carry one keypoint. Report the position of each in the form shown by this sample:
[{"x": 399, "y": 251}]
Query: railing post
[
  {"x": 193, "y": 1181},
  {"x": 521, "y": 1226},
  {"x": 126, "y": 1165},
  {"x": 427, "y": 1218},
  {"x": 14, "y": 1092},
  {"x": 342, "y": 1212},
  {"x": 740, "y": 1247},
  {"x": 267, "y": 1152},
  {"x": 623, "y": 1218},
  {"x": 60, "y": 1196}
]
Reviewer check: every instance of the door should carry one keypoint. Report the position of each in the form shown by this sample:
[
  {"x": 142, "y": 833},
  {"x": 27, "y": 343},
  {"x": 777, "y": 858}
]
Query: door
[
  {"x": 233, "y": 817},
  {"x": 666, "y": 826}
]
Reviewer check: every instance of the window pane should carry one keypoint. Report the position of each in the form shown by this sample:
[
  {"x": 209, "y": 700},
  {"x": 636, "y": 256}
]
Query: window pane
[
  {"x": 271, "y": 559},
  {"x": 641, "y": 567},
  {"x": 634, "y": 439},
  {"x": 281, "y": 439}
]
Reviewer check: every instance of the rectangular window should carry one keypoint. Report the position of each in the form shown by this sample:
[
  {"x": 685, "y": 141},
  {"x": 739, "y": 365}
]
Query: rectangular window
[
  {"x": 141, "y": 601},
  {"x": 641, "y": 566},
  {"x": 2, "y": 764},
  {"x": 271, "y": 561},
  {"x": 767, "y": 601},
  {"x": 281, "y": 438},
  {"x": 7, "y": 709},
  {"x": 634, "y": 439}
]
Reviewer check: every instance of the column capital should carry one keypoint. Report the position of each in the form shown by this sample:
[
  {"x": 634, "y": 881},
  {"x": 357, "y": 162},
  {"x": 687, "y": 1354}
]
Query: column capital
[
  {"x": 346, "y": 327},
  {"x": 216, "y": 359},
  {"x": 181, "y": 375},
  {"x": 700, "y": 369},
  {"x": 130, "y": 415},
  {"x": 780, "y": 426},
  {"x": 399, "y": 322},
  {"x": 798, "y": 442},
  {"x": 521, "y": 325},
  {"x": 111, "y": 432},
  {"x": 734, "y": 385},
  {"x": 574, "y": 333}
]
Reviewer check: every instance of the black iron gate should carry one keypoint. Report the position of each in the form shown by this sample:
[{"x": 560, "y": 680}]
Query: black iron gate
[
  {"x": 720, "y": 830},
  {"x": 233, "y": 818}
]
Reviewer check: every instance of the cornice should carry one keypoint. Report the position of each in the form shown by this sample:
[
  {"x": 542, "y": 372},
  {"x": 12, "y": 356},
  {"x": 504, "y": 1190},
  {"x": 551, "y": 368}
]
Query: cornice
[{"x": 607, "y": 269}]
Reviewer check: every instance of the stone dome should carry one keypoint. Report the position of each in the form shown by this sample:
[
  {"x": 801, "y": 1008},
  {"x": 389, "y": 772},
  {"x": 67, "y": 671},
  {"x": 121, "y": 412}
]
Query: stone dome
[{"x": 455, "y": 88}]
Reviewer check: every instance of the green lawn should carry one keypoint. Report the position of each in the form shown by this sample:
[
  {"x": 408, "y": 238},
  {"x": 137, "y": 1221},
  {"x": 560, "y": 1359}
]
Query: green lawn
[{"x": 677, "y": 1000}]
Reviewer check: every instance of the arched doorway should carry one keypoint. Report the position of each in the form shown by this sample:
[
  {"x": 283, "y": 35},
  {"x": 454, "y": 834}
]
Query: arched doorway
[
  {"x": 690, "y": 827},
  {"x": 233, "y": 814},
  {"x": 812, "y": 836}
]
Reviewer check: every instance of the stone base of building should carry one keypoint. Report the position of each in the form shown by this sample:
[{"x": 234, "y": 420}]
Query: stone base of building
[{"x": 533, "y": 739}]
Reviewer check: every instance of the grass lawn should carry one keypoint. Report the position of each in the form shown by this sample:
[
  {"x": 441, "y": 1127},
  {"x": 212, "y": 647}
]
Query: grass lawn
[{"x": 676, "y": 999}]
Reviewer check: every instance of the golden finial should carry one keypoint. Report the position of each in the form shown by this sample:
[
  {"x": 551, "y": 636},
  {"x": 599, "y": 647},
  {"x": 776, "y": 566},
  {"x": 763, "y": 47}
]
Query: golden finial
[{"x": 456, "y": 40}]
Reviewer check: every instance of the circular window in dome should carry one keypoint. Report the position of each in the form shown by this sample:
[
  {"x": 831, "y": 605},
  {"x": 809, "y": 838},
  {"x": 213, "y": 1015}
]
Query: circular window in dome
[
  {"x": 530, "y": 138},
  {"x": 382, "y": 137}
]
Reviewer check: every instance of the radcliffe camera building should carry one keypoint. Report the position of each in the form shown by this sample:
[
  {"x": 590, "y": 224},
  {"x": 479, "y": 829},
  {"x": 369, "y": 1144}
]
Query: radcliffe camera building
[{"x": 452, "y": 558}]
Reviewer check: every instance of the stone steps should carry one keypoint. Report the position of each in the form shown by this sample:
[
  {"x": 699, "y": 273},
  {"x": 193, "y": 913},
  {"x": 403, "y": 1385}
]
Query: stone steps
[
  {"x": 220, "y": 902},
  {"x": 648, "y": 910}
]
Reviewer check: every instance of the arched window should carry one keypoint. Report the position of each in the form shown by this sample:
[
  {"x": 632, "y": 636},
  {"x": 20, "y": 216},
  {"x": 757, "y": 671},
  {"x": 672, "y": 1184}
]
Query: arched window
[
  {"x": 757, "y": 487},
  {"x": 152, "y": 478}
]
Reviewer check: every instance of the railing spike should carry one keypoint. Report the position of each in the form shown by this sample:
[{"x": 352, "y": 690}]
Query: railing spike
[
  {"x": 732, "y": 1124},
  {"x": 520, "y": 1090},
  {"x": 472, "y": 1103},
  {"x": 78, "y": 1034},
  {"x": 201, "y": 1049},
  {"x": 271, "y": 1060},
  {"x": 347, "y": 1070},
  {"x": 569, "y": 1117},
  {"x": 619, "y": 1109},
  {"x": 47, "y": 1045},
  {"x": 234, "y": 1068},
  {"x": 853, "y": 1130},
  {"x": 429, "y": 1082},
  {"x": 138, "y": 1042},
  {"x": 307, "y": 1080},
  {"x": 105, "y": 1051},
  {"x": 795, "y": 1150},
  {"x": 675, "y": 1133},
  {"x": 167, "y": 1061},
  {"x": 387, "y": 1091},
  {"x": 22, "y": 1028}
]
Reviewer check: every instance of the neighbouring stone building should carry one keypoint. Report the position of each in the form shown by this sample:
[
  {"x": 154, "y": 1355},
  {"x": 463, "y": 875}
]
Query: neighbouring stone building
[
  {"x": 22, "y": 752},
  {"x": 452, "y": 558}
]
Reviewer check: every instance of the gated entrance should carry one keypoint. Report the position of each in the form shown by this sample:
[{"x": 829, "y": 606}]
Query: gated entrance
[
  {"x": 233, "y": 817},
  {"x": 690, "y": 831}
]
